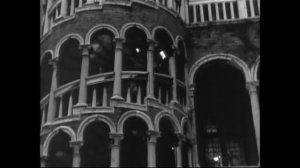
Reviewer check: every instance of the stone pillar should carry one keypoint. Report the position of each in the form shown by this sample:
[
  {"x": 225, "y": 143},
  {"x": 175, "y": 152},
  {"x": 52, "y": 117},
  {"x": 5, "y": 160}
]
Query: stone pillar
[
  {"x": 150, "y": 86},
  {"x": 52, "y": 101},
  {"x": 76, "y": 145},
  {"x": 72, "y": 7},
  {"x": 178, "y": 150},
  {"x": 251, "y": 86},
  {"x": 82, "y": 98},
  {"x": 172, "y": 67},
  {"x": 43, "y": 161},
  {"x": 194, "y": 133},
  {"x": 186, "y": 11},
  {"x": 152, "y": 136},
  {"x": 117, "y": 90},
  {"x": 64, "y": 8},
  {"x": 242, "y": 8},
  {"x": 115, "y": 149}
]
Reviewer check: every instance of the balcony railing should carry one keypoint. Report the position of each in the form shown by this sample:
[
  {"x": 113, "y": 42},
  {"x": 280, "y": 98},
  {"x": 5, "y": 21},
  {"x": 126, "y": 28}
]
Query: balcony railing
[{"x": 206, "y": 11}]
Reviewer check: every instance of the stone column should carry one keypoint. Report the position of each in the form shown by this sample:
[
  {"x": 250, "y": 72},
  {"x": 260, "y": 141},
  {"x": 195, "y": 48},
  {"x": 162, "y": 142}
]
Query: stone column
[
  {"x": 52, "y": 101},
  {"x": 115, "y": 149},
  {"x": 194, "y": 133},
  {"x": 152, "y": 136},
  {"x": 251, "y": 86},
  {"x": 117, "y": 90},
  {"x": 242, "y": 8},
  {"x": 186, "y": 11},
  {"x": 72, "y": 7},
  {"x": 64, "y": 7},
  {"x": 172, "y": 67},
  {"x": 178, "y": 150},
  {"x": 43, "y": 161},
  {"x": 150, "y": 87},
  {"x": 82, "y": 98},
  {"x": 76, "y": 145}
]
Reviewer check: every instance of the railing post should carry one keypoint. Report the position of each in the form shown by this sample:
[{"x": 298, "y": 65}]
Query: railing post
[
  {"x": 217, "y": 11},
  {"x": 186, "y": 9},
  {"x": 251, "y": 87},
  {"x": 194, "y": 14},
  {"x": 72, "y": 7},
  {"x": 43, "y": 116},
  {"x": 258, "y": 5},
  {"x": 82, "y": 98},
  {"x": 251, "y": 8},
  {"x": 52, "y": 102},
  {"x": 117, "y": 90},
  {"x": 209, "y": 12},
  {"x": 47, "y": 18},
  {"x": 201, "y": 13},
  {"x": 104, "y": 98},
  {"x": 60, "y": 106},
  {"x": 64, "y": 7},
  {"x": 232, "y": 10},
  {"x": 70, "y": 107},
  {"x": 80, "y": 4},
  {"x": 224, "y": 11},
  {"x": 242, "y": 8},
  {"x": 94, "y": 98}
]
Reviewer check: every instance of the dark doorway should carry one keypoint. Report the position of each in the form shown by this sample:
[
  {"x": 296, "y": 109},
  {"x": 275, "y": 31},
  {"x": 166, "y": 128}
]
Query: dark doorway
[
  {"x": 60, "y": 152},
  {"x": 134, "y": 144},
  {"x": 96, "y": 149},
  {"x": 224, "y": 123},
  {"x": 166, "y": 144}
]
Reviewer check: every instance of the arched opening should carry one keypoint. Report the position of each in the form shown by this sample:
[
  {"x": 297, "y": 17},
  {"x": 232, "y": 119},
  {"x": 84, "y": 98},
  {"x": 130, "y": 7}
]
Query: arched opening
[
  {"x": 60, "y": 153},
  {"x": 134, "y": 144},
  {"x": 69, "y": 64},
  {"x": 224, "y": 124},
  {"x": 103, "y": 49},
  {"x": 135, "y": 50},
  {"x": 166, "y": 144},
  {"x": 162, "y": 51},
  {"x": 185, "y": 147},
  {"x": 96, "y": 148},
  {"x": 45, "y": 75}
]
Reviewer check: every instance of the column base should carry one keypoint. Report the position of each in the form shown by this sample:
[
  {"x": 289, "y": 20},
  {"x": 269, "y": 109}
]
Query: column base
[
  {"x": 79, "y": 108},
  {"x": 115, "y": 100},
  {"x": 118, "y": 98}
]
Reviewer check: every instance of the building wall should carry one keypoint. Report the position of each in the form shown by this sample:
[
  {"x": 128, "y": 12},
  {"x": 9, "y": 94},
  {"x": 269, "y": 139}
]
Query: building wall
[{"x": 240, "y": 39}]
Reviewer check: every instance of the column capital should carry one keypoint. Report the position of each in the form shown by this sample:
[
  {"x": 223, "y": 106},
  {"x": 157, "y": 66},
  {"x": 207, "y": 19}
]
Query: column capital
[
  {"x": 152, "y": 43},
  {"x": 119, "y": 40},
  {"x": 180, "y": 137},
  {"x": 152, "y": 136},
  {"x": 116, "y": 136},
  {"x": 76, "y": 144},
  {"x": 85, "y": 48},
  {"x": 53, "y": 62},
  {"x": 251, "y": 86}
]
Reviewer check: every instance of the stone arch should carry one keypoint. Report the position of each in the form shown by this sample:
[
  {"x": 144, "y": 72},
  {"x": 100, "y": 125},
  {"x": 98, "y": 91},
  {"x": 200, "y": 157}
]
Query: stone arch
[
  {"x": 65, "y": 129},
  {"x": 91, "y": 119},
  {"x": 233, "y": 59},
  {"x": 165, "y": 29},
  {"x": 132, "y": 113},
  {"x": 65, "y": 38},
  {"x": 177, "y": 40},
  {"x": 133, "y": 24},
  {"x": 99, "y": 27},
  {"x": 254, "y": 69},
  {"x": 171, "y": 117},
  {"x": 44, "y": 54}
]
